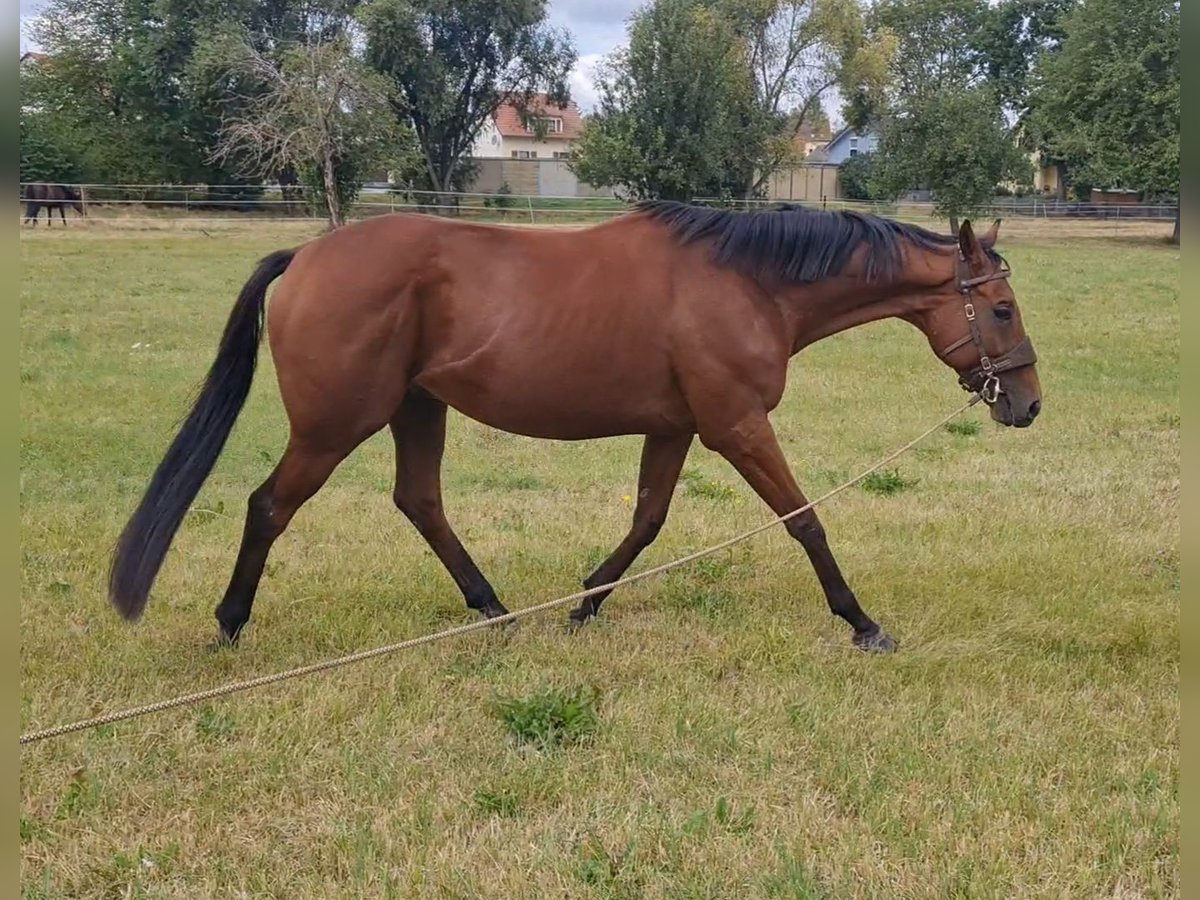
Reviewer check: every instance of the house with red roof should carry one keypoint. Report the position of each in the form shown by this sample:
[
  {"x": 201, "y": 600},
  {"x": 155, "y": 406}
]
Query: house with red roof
[{"x": 511, "y": 134}]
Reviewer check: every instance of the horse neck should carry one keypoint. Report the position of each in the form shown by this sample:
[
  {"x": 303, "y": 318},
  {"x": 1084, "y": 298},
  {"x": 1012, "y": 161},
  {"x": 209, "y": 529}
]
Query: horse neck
[{"x": 817, "y": 311}]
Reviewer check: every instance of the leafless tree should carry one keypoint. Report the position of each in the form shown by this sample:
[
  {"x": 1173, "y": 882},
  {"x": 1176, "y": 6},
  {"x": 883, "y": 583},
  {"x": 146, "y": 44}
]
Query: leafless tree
[
  {"x": 315, "y": 108},
  {"x": 798, "y": 50}
]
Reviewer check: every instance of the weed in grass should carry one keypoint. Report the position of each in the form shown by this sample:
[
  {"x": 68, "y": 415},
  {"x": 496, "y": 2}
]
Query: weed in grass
[
  {"x": 551, "y": 717},
  {"x": 500, "y": 802},
  {"x": 30, "y": 830},
  {"x": 887, "y": 482},
  {"x": 703, "y": 586},
  {"x": 82, "y": 794},
  {"x": 964, "y": 427},
  {"x": 214, "y": 724},
  {"x": 721, "y": 816},
  {"x": 696, "y": 484},
  {"x": 791, "y": 880}
]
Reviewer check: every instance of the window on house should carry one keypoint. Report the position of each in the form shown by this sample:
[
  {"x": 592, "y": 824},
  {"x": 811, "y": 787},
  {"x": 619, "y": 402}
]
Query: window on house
[
  {"x": 854, "y": 146},
  {"x": 553, "y": 124},
  {"x": 524, "y": 154},
  {"x": 562, "y": 154}
]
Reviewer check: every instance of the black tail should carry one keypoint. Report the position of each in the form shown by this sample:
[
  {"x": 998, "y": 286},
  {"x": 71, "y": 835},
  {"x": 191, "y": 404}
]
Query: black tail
[{"x": 194, "y": 452}]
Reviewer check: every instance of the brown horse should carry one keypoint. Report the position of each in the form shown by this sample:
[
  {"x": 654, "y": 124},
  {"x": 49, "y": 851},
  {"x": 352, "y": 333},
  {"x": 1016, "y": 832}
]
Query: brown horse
[
  {"x": 671, "y": 321},
  {"x": 51, "y": 196}
]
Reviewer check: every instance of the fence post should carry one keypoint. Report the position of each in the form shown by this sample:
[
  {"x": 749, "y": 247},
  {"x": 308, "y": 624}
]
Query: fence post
[{"x": 529, "y": 200}]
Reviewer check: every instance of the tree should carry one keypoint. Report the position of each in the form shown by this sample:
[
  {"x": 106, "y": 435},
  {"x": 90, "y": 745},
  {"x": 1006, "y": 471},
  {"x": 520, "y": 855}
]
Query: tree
[
  {"x": 455, "y": 62},
  {"x": 1109, "y": 101},
  {"x": 319, "y": 110},
  {"x": 677, "y": 115},
  {"x": 797, "y": 50},
  {"x": 1013, "y": 36},
  {"x": 955, "y": 142},
  {"x": 114, "y": 90},
  {"x": 42, "y": 157},
  {"x": 119, "y": 93},
  {"x": 936, "y": 44},
  {"x": 941, "y": 122},
  {"x": 856, "y": 176},
  {"x": 710, "y": 94},
  {"x": 1016, "y": 36}
]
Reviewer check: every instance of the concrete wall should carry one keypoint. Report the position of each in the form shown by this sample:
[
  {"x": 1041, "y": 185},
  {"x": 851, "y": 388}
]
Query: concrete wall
[
  {"x": 536, "y": 177},
  {"x": 808, "y": 182}
]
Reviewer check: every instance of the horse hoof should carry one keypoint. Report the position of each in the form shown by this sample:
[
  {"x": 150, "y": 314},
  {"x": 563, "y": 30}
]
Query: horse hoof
[
  {"x": 222, "y": 642},
  {"x": 578, "y": 618},
  {"x": 495, "y": 610},
  {"x": 877, "y": 641}
]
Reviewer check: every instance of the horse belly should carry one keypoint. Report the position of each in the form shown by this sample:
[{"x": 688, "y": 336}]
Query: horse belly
[{"x": 576, "y": 398}]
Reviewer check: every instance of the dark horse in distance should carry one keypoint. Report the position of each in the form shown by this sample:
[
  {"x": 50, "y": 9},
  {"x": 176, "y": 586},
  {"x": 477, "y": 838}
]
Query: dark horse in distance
[
  {"x": 51, "y": 197},
  {"x": 672, "y": 321}
]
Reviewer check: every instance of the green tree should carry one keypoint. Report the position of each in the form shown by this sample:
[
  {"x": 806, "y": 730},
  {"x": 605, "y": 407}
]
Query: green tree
[
  {"x": 120, "y": 90},
  {"x": 1108, "y": 103},
  {"x": 797, "y": 50},
  {"x": 955, "y": 142},
  {"x": 856, "y": 176},
  {"x": 454, "y": 62},
  {"x": 1013, "y": 36},
  {"x": 677, "y": 115},
  {"x": 1016, "y": 36},
  {"x": 709, "y": 95},
  {"x": 43, "y": 157},
  {"x": 941, "y": 123}
]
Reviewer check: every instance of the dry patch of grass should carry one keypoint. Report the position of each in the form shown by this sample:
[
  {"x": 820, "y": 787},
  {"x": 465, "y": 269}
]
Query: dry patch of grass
[{"x": 1024, "y": 742}]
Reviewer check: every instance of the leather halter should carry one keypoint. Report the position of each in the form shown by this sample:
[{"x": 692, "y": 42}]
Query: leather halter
[{"x": 984, "y": 379}]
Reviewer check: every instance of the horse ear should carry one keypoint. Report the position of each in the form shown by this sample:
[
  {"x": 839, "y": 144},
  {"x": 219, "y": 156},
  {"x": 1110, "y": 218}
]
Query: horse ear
[
  {"x": 989, "y": 240},
  {"x": 967, "y": 243}
]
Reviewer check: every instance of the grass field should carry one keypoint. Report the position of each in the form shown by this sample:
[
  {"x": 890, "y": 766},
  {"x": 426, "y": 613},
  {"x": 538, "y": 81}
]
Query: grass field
[{"x": 714, "y": 734}]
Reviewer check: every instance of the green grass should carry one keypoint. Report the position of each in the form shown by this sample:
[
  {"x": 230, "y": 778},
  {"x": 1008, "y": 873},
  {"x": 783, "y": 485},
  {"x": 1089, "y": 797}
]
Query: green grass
[
  {"x": 887, "y": 482},
  {"x": 964, "y": 427},
  {"x": 1023, "y": 742},
  {"x": 552, "y": 717}
]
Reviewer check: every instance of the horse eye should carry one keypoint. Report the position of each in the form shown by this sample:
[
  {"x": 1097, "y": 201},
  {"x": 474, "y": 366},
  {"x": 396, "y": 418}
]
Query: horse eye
[{"x": 1004, "y": 313}]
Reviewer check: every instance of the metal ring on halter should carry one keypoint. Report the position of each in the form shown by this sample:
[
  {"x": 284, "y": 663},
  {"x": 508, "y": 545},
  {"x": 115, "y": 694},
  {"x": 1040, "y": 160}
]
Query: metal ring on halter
[{"x": 991, "y": 390}]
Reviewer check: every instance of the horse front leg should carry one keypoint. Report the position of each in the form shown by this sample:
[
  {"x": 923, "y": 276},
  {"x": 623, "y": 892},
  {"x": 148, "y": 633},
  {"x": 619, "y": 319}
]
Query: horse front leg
[
  {"x": 662, "y": 461},
  {"x": 752, "y": 448}
]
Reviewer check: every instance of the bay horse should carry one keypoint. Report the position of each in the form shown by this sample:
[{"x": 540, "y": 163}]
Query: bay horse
[
  {"x": 670, "y": 321},
  {"x": 51, "y": 196}
]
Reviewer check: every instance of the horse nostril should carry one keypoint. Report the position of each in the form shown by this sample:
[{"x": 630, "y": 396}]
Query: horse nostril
[{"x": 1034, "y": 408}]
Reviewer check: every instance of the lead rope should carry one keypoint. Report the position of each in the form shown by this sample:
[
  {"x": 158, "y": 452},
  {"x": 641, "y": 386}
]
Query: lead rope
[{"x": 262, "y": 680}]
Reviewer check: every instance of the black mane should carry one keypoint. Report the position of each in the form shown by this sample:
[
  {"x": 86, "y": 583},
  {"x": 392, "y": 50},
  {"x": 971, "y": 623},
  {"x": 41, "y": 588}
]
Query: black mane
[{"x": 796, "y": 243}]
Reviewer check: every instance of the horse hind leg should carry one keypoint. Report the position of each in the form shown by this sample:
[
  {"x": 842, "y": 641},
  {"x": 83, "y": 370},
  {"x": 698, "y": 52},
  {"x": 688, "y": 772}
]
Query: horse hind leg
[
  {"x": 419, "y": 431},
  {"x": 301, "y": 472}
]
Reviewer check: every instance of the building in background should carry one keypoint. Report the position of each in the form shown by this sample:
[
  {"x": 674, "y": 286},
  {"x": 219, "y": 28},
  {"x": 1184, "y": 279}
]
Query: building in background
[
  {"x": 845, "y": 144},
  {"x": 511, "y": 135}
]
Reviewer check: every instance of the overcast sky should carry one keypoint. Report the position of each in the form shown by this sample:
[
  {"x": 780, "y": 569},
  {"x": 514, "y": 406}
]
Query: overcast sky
[{"x": 598, "y": 27}]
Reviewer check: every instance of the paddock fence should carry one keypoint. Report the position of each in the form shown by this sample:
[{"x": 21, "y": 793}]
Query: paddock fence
[{"x": 180, "y": 206}]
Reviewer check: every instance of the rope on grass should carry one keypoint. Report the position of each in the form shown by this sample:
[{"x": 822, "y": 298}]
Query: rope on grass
[{"x": 324, "y": 666}]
